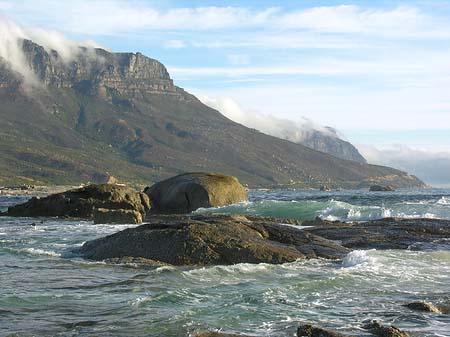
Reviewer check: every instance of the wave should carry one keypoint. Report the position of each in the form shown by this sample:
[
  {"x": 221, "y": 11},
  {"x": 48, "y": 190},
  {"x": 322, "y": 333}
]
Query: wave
[{"x": 336, "y": 210}]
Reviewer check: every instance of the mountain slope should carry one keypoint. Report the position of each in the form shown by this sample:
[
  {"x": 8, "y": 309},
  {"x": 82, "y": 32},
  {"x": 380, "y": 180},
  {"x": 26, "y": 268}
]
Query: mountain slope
[{"x": 119, "y": 113}]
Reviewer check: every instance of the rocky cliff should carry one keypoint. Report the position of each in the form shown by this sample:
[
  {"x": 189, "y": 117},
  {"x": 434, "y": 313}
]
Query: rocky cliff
[
  {"x": 99, "y": 113},
  {"x": 329, "y": 142}
]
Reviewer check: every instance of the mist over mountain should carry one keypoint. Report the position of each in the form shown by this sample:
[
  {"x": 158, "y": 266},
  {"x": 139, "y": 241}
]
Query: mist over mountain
[
  {"x": 69, "y": 118},
  {"x": 305, "y": 131}
]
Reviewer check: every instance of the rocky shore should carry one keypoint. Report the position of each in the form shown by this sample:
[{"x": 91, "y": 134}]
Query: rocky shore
[{"x": 172, "y": 236}]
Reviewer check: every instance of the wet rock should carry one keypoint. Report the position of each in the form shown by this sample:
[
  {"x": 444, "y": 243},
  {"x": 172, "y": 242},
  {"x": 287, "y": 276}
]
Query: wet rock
[
  {"x": 384, "y": 331},
  {"x": 139, "y": 261},
  {"x": 379, "y": 188},
  {"x": 308, "y": 330},
  {"x": 84, "y": 203},
  {"x": 218, "y": 334},
  {"x": 388, "y": 233},
  {"x": 212, "y": 240},
  {"x": 123, "y": 216},
  {"x": 187, "y": 192},
  {"x": 428, "y": 307}
]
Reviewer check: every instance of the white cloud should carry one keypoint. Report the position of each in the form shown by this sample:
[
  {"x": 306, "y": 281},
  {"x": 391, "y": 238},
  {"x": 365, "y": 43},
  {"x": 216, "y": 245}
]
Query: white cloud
[
  {"x": 119, "y": 16},
  {"x": 295, "y": 131},
  {"x": 175, "y": 44},
  {"x": 11, "y": 36},
  {"x": 433, "y": 166}
]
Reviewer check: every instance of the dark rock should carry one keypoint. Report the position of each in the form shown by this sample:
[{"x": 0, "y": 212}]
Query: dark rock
[
  {"x": 428, "y": 307},
  {"x": 384, "y": 331},
  {"x": 308, "y": 330},
  {"x": 212, "y": 240},
  {"x": 187, "y": 192},
  {"x": 139, "y": 261},
  {"x": 379, "y": 188},
  {"x": 218, "y": 334},
  {"x": 104, "y": 216},
  {"x": 388, "y": 233},
  {"x": 84, "y": 203}
]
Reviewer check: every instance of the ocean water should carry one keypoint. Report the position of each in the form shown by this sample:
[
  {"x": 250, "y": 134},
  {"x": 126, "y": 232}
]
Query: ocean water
[{"x": 46, "y": 289}]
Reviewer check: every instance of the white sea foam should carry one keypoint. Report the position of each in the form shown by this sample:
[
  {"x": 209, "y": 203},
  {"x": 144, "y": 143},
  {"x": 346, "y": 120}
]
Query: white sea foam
[
  {"x": 39, "y": 252},
  {"x": 357, "y": 257}
]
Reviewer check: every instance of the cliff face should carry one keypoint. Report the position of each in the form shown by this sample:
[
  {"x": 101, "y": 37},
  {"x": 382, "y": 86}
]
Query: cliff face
[
  {"x": 329, "y": 142},
  {"x": 100, "y": 113},
  {"x": 96, "y": 71}
]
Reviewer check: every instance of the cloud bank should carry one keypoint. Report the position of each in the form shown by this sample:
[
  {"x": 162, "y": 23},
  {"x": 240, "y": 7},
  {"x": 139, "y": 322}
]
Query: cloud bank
[
  {"x": 432, "y": 166},
  {"x": 294, "y": 131}
]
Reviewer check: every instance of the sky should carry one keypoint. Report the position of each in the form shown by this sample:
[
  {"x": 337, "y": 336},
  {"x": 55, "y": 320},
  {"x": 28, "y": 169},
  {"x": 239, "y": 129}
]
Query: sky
[{"x": 378, "y": 71}]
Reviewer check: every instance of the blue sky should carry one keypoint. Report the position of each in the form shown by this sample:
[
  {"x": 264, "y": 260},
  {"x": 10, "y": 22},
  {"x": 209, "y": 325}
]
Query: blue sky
[{"x": 379, "y": 71}]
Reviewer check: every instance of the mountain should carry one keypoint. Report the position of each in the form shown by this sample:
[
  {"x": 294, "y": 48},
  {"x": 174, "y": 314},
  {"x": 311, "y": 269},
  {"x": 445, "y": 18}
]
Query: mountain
[
  {"x": 329, "y": 142},
  {"x": 65, "y": 121}
]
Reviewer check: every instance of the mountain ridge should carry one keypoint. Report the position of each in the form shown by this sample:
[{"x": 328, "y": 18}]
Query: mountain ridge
[{"x": 120, "y": 114}]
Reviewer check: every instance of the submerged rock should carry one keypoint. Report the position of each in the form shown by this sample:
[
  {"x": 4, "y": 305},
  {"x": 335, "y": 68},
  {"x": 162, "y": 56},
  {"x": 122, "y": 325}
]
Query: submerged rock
[
  {"x": 218, "y": 334},
  {"x": 388, "y": 233},
  {"x": 187, "y": 192},
  {"x": 308, "y": 330},
  {"x": 384, "y": 331},
  {"x": 213, "y": 240},
  {"x": 379, "y": 188},
  {"x": 113, "y": 201},
  {"x": 428, "y": 307}
]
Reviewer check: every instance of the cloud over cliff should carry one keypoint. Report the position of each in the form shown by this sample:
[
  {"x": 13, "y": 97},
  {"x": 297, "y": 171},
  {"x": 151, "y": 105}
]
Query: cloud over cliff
[
  {"x": 295, "y": 131},
  {"x": 12, "y": 34}
]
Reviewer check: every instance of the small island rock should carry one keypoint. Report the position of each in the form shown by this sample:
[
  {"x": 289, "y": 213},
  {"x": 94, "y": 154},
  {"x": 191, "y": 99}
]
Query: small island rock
[{"x": 187, "y": 192}]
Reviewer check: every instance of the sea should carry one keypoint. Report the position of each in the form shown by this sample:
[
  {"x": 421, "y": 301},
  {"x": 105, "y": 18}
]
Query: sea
[{"x": 47, "y": 289}]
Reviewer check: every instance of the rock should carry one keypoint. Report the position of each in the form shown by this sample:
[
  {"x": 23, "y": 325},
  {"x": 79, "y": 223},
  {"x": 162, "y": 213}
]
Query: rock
[
  {"x": 85, "y": 202},
  {"x": 187, "y": 192},
  {"x": 429, "y": 307},
  {"x": 123, "y": 216},
  {"x": 212, "y": 240},
  {"x": 308, "y": 330},
  {"x": 384, "y": 331},
  {"x": 218, "y": 334},
  {"x": 139, "y": 261},
  {"x": 379, "y": 188},
  {"x": 388, "y": 233}
]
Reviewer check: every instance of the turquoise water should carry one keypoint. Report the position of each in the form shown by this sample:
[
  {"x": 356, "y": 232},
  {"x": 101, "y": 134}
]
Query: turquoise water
[{"x": 48, "y": 290}]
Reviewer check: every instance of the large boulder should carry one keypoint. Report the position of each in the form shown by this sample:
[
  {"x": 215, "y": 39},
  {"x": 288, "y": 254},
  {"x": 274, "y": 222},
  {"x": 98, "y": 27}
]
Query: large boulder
[
  {"x": 212, "y": 240},
  {"x": 187, "y": 192},
  {"x": 85, "y": 202}
]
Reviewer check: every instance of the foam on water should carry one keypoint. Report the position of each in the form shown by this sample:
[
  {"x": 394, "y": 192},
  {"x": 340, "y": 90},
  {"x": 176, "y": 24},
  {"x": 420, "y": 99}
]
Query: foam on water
[
  {"x": 358, "y": 257},
  {"x": 254, "y": 299}
]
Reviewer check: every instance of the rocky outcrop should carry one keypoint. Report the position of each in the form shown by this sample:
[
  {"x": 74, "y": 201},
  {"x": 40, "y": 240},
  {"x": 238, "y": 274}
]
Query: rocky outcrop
[
  {"x": 329, "y": 142},
  {"x": 187, "y": 192},
  {"x": 379, "y": 330},
  {"x": 98, "y": 72},
  {"x": 114, "y": 202},
  {"x": 389, "y": 233},
  {"x": 429, "y": 307},
  {"x": 308, "y": 330},
  {"x": 105, "y": 215},
  {"x": 379, "y": 188},
  {"x": 212, "y": 240}
]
